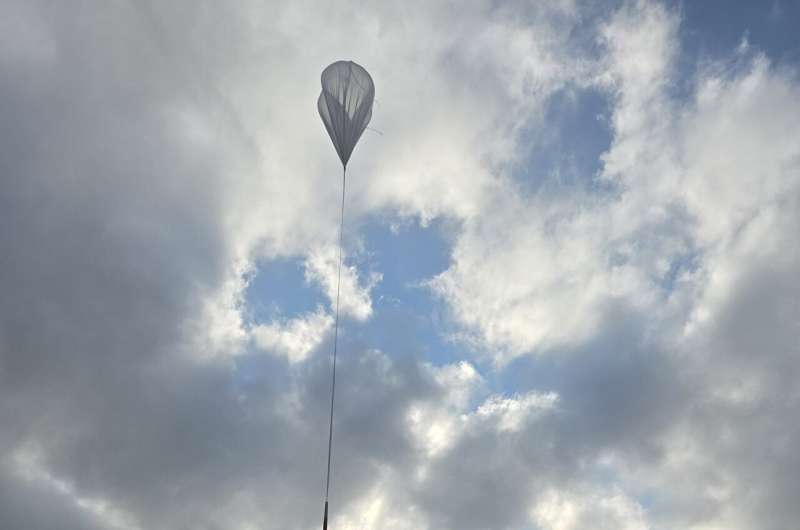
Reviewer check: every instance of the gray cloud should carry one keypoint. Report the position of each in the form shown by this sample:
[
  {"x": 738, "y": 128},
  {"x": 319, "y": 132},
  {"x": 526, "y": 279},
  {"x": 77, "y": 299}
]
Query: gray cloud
[{"x": 142, "y": 174}]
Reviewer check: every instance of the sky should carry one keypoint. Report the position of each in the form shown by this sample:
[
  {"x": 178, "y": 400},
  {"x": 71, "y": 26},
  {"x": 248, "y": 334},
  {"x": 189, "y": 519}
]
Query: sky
[{"x": 571, "y": 293}]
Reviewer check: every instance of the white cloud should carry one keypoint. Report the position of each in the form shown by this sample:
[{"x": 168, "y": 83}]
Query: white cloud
[
  {"x": 511, "y": 413},
  {"x": 533, "y": 273},
  {"x": 321, "y": 267},
  {"x": 376, "y": 509},
  {"x": 437, "y": 425},
  {"x": 295, "y": 338},
  {"x": 609, "y": 510},
  {"x": 154, "y": 156}
]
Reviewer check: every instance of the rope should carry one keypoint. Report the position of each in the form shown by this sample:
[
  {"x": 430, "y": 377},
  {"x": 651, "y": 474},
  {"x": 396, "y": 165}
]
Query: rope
[{"x": 335, "y": 345}]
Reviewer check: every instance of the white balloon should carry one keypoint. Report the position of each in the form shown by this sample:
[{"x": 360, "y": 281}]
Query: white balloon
[{"x": 345, "y": 105}]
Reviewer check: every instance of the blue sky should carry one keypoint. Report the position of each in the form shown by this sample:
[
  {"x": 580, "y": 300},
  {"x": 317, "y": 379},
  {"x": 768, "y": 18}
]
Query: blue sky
[{"x": 570, "y": 291}]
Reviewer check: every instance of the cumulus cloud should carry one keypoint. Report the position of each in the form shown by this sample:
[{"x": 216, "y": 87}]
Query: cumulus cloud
[
  {"x": 567, "y": 511},
  {"x": 536, "y": 272},
  {"x": 354, "y": 299},
  {"x": 294, "y": 338},
  {"x": 621, "y": 353}
]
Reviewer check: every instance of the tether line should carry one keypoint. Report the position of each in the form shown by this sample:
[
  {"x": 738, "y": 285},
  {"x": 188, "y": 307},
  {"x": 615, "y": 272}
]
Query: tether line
[{"x": 335, "y": 347}]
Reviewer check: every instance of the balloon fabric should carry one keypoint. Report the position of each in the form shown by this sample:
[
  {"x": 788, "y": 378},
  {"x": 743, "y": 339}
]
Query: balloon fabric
[{"x": 345, "y": 105}]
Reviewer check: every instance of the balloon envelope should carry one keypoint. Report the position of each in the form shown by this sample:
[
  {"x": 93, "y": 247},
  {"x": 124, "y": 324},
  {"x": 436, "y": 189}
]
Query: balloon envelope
[{"x": 345, "y": 105}]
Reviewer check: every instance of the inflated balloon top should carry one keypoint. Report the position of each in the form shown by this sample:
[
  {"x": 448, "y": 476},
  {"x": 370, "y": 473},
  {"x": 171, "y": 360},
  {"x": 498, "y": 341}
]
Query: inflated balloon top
[{"x": 345, "y": 104}]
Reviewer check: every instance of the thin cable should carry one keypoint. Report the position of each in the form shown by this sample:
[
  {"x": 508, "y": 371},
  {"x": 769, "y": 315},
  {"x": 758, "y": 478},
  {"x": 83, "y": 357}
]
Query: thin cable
[{"x": 335, "y": 341}]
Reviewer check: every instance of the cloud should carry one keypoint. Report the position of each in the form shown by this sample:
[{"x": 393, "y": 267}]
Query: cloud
[
  {"x": 624, "y": 349},
  {"x": 354, "y": 300},
  {"x": 560, "y": 511},
  {"x": 295, "y": 338}
]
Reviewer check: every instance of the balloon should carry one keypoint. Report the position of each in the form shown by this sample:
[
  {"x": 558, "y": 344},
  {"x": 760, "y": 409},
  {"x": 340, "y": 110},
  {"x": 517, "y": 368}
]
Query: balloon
[{"x": 345, "y": 105}]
